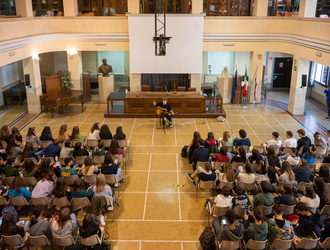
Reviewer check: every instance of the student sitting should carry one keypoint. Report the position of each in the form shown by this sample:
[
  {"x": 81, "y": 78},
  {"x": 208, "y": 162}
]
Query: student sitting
[
  {"x": 66, "y": 151},
  {"x": 203, "y": 174},
  {"x": 78, "y": 190},
  {"x": 99, "y": 150},
  {"x": 240, "y": 199},
  {"x": 310, "y": 198},
  {"x": 18, "y": 189},
  {"x": 88, "y": 168},
  {"x": 38, "y": 226},
  {"x": 10, "y": 226},
  {"x": 279, "y": 228},
  {"x": 224, "y": 199},
  {"x": 264, "y": 198},
  {"x": 91, "y": 226},
  {"x": 275, "y": 141},
  {"x": 111, "y": 167},
  {"x": 302, "y": 173},
  {"x": 68, "y": 170},
  {"x": 306, "y": 224},
  {"x": 259, "y": 229},
  {"x": 12, "y": 167},
  {"x": 222, "y": 156},
  {"x": 230, "y": 231},
  {"x": 287, "y": 197},
  {"x": 64, "y": 225},
  {"x": 45, "y": 187}
]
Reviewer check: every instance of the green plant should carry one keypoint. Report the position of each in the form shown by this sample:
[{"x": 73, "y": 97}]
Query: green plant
[{"x": 66, "y": 80}]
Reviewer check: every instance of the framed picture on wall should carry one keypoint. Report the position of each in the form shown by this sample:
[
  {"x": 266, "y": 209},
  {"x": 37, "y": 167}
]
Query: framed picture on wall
[{"x": 122, "y": 6}]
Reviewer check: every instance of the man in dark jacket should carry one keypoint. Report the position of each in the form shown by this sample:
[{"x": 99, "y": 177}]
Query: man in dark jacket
[
  {"x": 231, "y": 231},
  {"x": 200, "y": 154},
  {"x": 54, "y": 149},
  {"x": 304, "y": 140},
  {"x": 306, "y": 224}
]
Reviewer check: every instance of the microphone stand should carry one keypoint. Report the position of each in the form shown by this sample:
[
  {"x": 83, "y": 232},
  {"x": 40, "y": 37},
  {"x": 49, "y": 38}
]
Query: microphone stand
[{"x": 166, "y": 90}]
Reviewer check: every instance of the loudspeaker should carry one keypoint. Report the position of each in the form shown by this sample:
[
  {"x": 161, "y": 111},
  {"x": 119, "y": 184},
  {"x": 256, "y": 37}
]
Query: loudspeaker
[
  {"x": 27, "y": 80},
  {"x": 303, "y": 80}
]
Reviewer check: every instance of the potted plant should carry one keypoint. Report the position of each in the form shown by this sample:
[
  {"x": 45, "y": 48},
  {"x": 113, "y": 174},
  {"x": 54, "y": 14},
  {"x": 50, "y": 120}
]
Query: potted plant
[{"x": 66, "y": 80}]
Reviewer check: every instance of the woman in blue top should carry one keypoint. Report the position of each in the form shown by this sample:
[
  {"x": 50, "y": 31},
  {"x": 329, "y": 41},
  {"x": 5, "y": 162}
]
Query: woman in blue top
[
  {"x": 307, "y": 155},
  {"x": 18, "y": 189},
  {"x": 111, "y": 167}
]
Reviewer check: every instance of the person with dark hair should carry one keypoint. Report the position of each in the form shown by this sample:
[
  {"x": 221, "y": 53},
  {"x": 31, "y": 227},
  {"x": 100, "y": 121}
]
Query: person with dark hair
[
  {"x": 302, "y": 173},
  {"x": 307, "y": 155},
  {"x": 306, "y": 224},
  {"x": 265, "y": 197},
  {"x": 88, "y": 168},
  {"x": 290, "y": 141},
  {"x": 17, "y": 136},
  {"x": 193, "y": 145},
  {"x": 292, "y": 158},
  {"x": 99, "y": 150},
  {"x": 211, "y": 143},
  {"x": 46, "y": 134},
  {"x": 30, "y": 152},
  {"x": 272, "y": 158},
  {"x": 31, "y": 136},
  {"x": 304, "y": 140},
  {"x": 13, "y": 150},
  {"x": 319, "y": 141},
  {"x": 63, "y": 133},
  {"x": 78, "y": 190},
  {"x": 30, "y": 169},
  {"x": 287, "y": 197},
  {"x": 10, "y": 227},
  {"x": 247, "y": 176},
  {"x": 224, "y": 199},
  {"x": 275, "y": 141},
  {"x": 259, "y": 229},
  {"x": 119, "y": 135},
  {"x": 18, "y": 188},
  {"x": 222, "y": 155},
  {"x": 310, "y": 198},
  {"x": 45, "y": 186},
  {"x": 76, "y": 134},
  {"x": 111, "y": 167},
  {"x": 54, "y": 149},
  {"x": 325, "y": 232},
  {"x": 105, "y": 133},
  {"x": 200, "y": 154},
  {"x": 66, "y": 150},
  {"x": 79, "y": 150},
  {"x": 272, "y": 175},
  {"x": 91, "y": 226},
  {"x": 38, "y": 226},
  {"x": 231, "y": 231},
  {"x": 12, "y": 167},
  {"x": 5, "y": 133},
  {"x": 322, "y": 191},
  {"x": 255, "y": 157},
  {"x": 68, "y": 170},
  {"x": 115, "y": 149},
  {"x": 279, "y": 228},
  {"x": 240, "y": 199},
  {"x": 242, "y": 141},
  {"x": 95, "y": 132},
  {"x": 324, "y": 173},
  {"x": 240, "y": 157},
  {"x": 167, "y": 108},
  {"x": 60, "y": 189},
  {"x": 64, "y": 225}
]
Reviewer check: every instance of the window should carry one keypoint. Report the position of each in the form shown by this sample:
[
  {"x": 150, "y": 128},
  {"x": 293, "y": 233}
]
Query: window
[{"x": 320, "y": 74}]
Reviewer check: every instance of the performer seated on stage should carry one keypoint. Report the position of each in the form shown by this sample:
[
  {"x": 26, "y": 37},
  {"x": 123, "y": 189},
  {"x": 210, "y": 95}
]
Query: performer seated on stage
[{"x": 167, "y": 107}]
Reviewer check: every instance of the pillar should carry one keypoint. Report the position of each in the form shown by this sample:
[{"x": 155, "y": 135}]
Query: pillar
[
  {"x": 76, "y": 69},
  {"x": 24, "y": 8},
  {"x": 70, "y": 7},
  {"x": 106, "y": 86},
  {"x": 133, "y": 6},
  {"x": 307, "y": 8},
  {"x": 196, "y": 81},
  {"x": 256, "y": 71},
  {"x": 135, "y": 82},
  {"x": 260, "y": 8},
  {"x": 32, "y": 67},
  {"x": 297, "y": 95},
  {"x": 197, "y": 6}
]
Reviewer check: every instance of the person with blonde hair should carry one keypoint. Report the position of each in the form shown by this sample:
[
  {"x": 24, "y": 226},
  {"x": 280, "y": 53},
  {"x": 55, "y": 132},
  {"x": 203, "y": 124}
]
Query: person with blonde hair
[{"x": 226, "y": 140}]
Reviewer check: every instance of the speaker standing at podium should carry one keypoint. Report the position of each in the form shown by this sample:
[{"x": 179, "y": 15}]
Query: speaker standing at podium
[
  {"x": 327, "y": 93},
  {"x": 167, "y": 114}
]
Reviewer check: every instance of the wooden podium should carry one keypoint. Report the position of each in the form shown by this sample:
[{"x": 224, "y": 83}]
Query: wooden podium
[{"x": 225, "y": 86}]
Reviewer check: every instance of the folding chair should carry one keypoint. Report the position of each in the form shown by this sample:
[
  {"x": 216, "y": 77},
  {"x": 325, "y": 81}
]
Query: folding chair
[
  {"x": 256, "y": 245},
  {"x": 110, "y": 179},
  {"x": 44, "y": 144},
  {"x": 91, "y": 241},
  {"x": 9, "y": 180},
  {"x": 98, "y": 159},
  {"x": 307, "y": 243},
  {"x": 41, "y": 240},
  {"x": 325, "y": 210},
  {"x": 125, "y": 145},
  {"x": 80, "y": 159},
  {"x": 74, "y": 141},
  {"x": 287, "y": 210},
  {"x": 239, "y": 211},
  {"x": 64, "y": 241},
  {"x": 106, "y": 142},
  {"x": 92, "y": 143},
  {"x": 326, "y": 243},
  {"x": 13, "y": 240},
  {"x": 281, "y": 244},
  {"x": 223, "y": 184},
  {"x": 204, "y": 185},
  {"x": 229, "y": 245},
  {"x": 235, "y": 165},
  {"x": 90, "y": 179},
  {"x": 267, "y": 210},
  {"x": 81, "y": 202},
  {"x": 71, "y": 179},
  {"x": 121, "y": 160}
]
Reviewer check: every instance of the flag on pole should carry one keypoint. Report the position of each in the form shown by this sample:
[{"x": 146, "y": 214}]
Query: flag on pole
[
  {"x": 233, "y": 93},
  {"x": 245, "y": 92}
]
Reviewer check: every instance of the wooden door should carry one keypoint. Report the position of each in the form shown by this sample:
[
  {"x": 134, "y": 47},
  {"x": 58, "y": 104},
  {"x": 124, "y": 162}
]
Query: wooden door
[{"x": 53, "y": 85}]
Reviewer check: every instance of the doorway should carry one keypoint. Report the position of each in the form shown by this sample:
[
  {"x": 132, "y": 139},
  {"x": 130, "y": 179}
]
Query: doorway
[{"x": 282, "y": 72}]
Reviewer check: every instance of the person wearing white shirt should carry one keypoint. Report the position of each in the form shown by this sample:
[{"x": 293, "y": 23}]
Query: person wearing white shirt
[
  {"x": 95, "y": 132},
  {"x": 310, "y": 198},
  {"x": 290, "y": 141},
  {"x": 224, "y": 199},
  {"x": 275, "y": 141}
]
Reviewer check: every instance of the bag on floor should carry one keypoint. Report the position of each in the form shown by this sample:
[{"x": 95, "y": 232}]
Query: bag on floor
[
  {"x": 184, "y": 152},
  {"x": 207, "y": 239}
]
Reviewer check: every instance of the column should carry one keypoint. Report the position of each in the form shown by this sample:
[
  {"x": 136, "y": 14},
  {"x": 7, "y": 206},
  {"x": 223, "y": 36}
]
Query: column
[
  {"x": 307, "y": 8},
  {"x": 197, "y": 6},
  {"x": 133, "y": 6},
  {"x": 76, "y": 69},
  {"x": 297, "y": 95},
  {"x": 24, "y": 8},
  {"x": 196, "y": 81},
  {"x": 31, "y": 67},
  {"x": 106, "y": 86},
  {"x": 135, "y": 82},
  {"x": 256, "y": 71},
  {"x": 70, "y": 7},
  {"x": 260, "y": 8}
]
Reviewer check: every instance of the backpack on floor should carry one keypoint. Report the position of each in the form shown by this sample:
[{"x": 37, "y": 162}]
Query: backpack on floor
[
  {"x": 207, "y": 239},
  {"x": 184, "y": 152}
]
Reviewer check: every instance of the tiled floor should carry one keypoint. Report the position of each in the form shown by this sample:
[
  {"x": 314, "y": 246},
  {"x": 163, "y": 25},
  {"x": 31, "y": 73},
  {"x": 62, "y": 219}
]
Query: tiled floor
[{"x": 155, "y": 213}]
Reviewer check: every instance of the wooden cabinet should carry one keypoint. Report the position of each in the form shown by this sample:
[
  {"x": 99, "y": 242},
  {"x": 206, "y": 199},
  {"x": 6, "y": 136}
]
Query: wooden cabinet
[
  {"x": 103, "y": 7},
  {"x": 227, "y": 7},
  {"x": 8, "y": 8},
  {"x": 54, "y": 5},
  {"x": 323, "y": 7},
  {"x": 172, "y": 6}
]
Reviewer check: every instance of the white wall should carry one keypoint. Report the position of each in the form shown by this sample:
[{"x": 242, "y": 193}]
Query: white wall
[
  {"x": 317, "y": 92},
  {"x": 183, "y": 52}
]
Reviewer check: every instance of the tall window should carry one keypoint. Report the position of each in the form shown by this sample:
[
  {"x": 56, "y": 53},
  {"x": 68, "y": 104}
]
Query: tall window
[{"x": 320, "y": 74}]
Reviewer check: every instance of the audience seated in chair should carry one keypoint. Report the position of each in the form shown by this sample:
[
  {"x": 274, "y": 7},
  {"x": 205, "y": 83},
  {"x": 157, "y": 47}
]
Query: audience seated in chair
[
  {"x": 264, "y": 198},
  {"x": 95, "y": 132},
  {"x": 224, "y": 199},
  {"x": 68, "y": 170},
  {"x": 222, "y": 155},
  {"x": 257, "y": 230},
  {"x": 302, "y": 173},
  {"x": 91, "y": 226},
  {"x": 88, "y": 167},
  {"x": 275, "y": 141},
  {"x": 290, "y": 141},
  {"x": 18, "y": 189},
  {"x": 240, "y": 199},
  {"x": 242, "y": 141},
  {"x": 111, "y": 167},
  {"x": 200, "y": 154},
  {"x": 45, "y": 187},
  {"x": 64, "y": 225},
  {"x": 37, "y": 226},
  {"x": 203, "y": 174}
]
